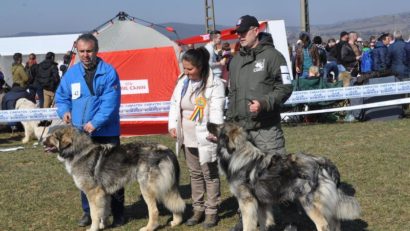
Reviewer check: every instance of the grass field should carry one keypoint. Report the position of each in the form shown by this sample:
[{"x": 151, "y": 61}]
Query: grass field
[{"x": 36, "y": 193}]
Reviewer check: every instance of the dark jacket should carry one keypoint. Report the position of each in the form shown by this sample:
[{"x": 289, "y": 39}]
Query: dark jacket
[
  {"x": 256, "y": 74},
  {"x": 16, "y": 93},
  {"x": 331, "y": 53},
  {"x": 380, "y": 58},
  {"x": 396, "y": 57},
  {"x": 322, "y": 55},
  {"x": 47, "y": 75},
  {"x": 314, "y": 53},
  {"x": 339, "y": 46},
  {"x": 31, "y": 72},
  {"x": 348, "y": 57},
  {"x": 407, "y": 56}
]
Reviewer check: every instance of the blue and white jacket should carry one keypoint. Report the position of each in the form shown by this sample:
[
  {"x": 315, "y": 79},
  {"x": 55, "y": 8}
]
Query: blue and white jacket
[{"x": 101, "y": 109}]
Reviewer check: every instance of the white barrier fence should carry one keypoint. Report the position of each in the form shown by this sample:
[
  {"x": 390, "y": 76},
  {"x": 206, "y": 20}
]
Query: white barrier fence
[
  {"x": 126, "y": 110},
  {"x": 331, "y": 94},
  {"x": 136, "y": 110}
]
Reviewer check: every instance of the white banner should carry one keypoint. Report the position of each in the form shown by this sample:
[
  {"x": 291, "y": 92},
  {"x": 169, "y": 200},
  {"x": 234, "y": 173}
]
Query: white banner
[
  {"x": 331, "y": 94},
  {"x": 131, "y": 109},
  {"x": 350, "y": 108}
]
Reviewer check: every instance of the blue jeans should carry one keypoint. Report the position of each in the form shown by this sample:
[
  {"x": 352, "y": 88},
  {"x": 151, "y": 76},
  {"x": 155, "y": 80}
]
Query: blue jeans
[
  {"x": 39, "y": 92},
  {"x": 329, "y": 67},
  {"x": 304, "y": 75}
]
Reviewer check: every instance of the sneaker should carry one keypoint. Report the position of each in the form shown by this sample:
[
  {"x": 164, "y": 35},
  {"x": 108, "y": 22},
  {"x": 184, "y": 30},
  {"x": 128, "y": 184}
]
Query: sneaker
[
  {"x": 85, "y": 220},
  {"x": 211, "y": 220},
  {"x": 196, "y": 218}
]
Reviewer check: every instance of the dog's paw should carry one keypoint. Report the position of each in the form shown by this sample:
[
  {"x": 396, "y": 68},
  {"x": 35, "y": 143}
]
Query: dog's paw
[
  {"x": 174, "y": 223},
  {"x": 151, "y": 228},
  {"x": 103, "y": 224},
  {"x": 25, "y": 140},
  {"x": 91, "y": 229},
  {"x": 144, "y": 229}
]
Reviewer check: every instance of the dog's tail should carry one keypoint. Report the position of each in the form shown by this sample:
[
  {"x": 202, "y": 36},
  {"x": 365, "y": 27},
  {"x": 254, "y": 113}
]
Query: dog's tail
[
  {"x": 348, "y": 207},
  {"x": 334, "y": 203},
  {"x": 168, "y": 192}
]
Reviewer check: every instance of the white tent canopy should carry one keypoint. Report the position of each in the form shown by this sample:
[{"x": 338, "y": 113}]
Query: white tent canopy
[{"x": 39, "y": 45}]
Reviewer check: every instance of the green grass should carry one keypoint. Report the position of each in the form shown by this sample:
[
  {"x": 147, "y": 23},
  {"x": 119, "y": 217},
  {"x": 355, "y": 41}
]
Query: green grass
[{"x": 36, "y": 193}]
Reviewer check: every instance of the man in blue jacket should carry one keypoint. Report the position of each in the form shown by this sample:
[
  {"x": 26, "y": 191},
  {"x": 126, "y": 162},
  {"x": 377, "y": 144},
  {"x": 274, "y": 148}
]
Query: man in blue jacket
[
  {"x": 396, "y": 55},
  {"x": 88, "y": 97}
]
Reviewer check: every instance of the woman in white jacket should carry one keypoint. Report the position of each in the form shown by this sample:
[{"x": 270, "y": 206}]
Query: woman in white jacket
[{"x": 198, "y": 98}]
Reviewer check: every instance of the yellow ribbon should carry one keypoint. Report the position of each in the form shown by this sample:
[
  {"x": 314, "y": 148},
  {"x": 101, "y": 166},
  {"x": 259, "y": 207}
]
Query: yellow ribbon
[{"x": 198, "y": 114}]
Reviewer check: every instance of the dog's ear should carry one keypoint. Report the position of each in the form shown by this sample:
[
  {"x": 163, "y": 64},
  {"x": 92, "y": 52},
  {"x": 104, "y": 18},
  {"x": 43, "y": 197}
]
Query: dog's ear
[
  {"x": 214, "y": 129},
  {"x": 66, "y": 139},
  {"x": 232, "y": 134}
]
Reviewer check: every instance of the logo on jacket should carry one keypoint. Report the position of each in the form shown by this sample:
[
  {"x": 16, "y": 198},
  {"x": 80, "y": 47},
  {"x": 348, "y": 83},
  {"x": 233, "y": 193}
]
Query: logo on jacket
[{"x": 259, "y": 65}]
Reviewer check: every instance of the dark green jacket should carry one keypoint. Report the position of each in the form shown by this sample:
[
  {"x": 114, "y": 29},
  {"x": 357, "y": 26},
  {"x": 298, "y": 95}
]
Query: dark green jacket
[{"x": 256, "y": 74}]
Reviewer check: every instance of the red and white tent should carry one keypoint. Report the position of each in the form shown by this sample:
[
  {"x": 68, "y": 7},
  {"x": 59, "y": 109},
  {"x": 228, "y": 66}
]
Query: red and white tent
[
  {"x": 226, "y": 34},
  {"x": 147, "y": 64}
]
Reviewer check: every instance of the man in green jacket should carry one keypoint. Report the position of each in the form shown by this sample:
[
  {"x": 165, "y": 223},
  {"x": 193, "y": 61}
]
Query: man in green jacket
[{"x": 259, "y": 85}]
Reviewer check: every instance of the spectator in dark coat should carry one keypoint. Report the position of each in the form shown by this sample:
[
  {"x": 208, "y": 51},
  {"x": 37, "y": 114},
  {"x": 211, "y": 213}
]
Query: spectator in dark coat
[
  {"x": 317, "y": 40},
  {"x": 31, "y": 70},
  {"x": 407, "y": 57},
  {"x": 344, "y": 37},
  {"x": 15, "y": 93},
  {"x": 351, "y": 53},
  {"x": 2, "y": 81},
  {"x": 380, "y": 58},
  {"x": 396, "y": 55},
  {"x": 331, "y": 64},
  {"x": 48, "y": 78},
  {"x": 307, "y": 55}
]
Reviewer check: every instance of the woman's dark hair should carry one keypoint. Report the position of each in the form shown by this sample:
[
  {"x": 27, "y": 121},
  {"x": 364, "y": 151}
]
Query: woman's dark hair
[
  {"x": 305, "y": 38},
  {"x": 317, "y": 40},
  {"x": 17, "y": 57},
  {"x": 199, "y": 58}
]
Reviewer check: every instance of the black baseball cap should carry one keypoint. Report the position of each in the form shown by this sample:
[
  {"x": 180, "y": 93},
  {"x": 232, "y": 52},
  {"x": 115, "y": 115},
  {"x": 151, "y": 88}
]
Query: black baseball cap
[{"x": 245, "y": 22}]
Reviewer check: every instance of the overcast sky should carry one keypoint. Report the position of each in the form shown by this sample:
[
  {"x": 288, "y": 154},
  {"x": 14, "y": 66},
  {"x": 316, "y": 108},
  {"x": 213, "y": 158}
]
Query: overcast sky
[{"x": 51, "y": 16}]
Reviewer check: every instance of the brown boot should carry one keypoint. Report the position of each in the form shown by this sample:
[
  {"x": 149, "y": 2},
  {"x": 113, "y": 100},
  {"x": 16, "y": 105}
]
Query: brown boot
[
  {"x": 211, "y": 220},
  {"x": 196, "y": 218}
]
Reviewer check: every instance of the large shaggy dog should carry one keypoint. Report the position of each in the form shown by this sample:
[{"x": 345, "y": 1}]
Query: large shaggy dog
[
  {"x": 259, "y": 181},
  {"x": 100, "y": 170},
  {"x": 31, "y": 128}
]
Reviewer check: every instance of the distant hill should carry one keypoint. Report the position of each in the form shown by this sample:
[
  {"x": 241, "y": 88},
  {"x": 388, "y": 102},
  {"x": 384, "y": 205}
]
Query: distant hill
[{"x": 365, "y": 27}]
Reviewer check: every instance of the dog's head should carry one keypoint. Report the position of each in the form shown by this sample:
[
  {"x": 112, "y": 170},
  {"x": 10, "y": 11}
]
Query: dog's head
[
  {"x": 228, "y": 135},
  {"x": 60, "y": 140}
]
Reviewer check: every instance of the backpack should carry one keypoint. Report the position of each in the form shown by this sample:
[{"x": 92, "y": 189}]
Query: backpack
[{"x": 367, "y": 61}]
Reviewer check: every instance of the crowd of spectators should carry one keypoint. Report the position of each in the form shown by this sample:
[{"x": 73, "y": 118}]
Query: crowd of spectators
[
  {"x": 34, "y": 81},
  {"x": 383, "y": 55}
]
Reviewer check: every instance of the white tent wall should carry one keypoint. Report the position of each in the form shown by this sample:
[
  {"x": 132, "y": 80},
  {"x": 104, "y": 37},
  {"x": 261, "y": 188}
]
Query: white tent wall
[
  {"x": 278, "y": 31},
  {"x": 39, "y": 45}
]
